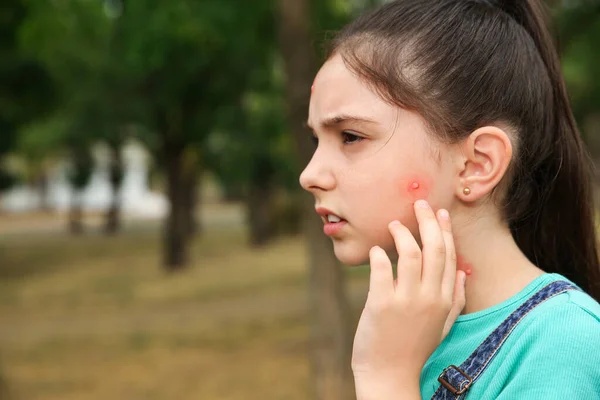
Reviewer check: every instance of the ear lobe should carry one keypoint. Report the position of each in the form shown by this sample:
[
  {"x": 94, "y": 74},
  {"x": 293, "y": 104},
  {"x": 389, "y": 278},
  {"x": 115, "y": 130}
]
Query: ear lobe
[{"x": 487, "y": 154}]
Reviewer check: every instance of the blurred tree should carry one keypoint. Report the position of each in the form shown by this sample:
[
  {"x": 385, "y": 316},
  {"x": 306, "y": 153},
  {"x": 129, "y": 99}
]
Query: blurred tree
[
  {"x": 116, "y": 175},
  {"x": 187, "y": 60},
  {"x": 117, "y": 113},
  {"x": 579, "y": 39},
  {"x": 91, "y": 119},
  {"x": 330, "y": 328},
  {"x": 39, "y": 143},
  {"x": 79, "y": 175},
  {"x": 170, "y": 67},
  {"x": 249, "y": 153},
  {"x": 26, "y": 88},
  {"x": 72, "y": 40}
]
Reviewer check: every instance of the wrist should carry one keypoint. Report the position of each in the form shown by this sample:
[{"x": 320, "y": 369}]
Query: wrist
[{"x": 371, "y": 386}]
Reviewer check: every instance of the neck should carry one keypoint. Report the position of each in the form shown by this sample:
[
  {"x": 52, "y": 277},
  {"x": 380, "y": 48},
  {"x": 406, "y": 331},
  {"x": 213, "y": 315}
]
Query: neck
[{"x": 498, "y": 268}]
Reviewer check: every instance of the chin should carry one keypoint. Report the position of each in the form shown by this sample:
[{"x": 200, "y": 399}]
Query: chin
[
  {"x": 351, "y": 255},
  {"x": 354, "y": 254}
]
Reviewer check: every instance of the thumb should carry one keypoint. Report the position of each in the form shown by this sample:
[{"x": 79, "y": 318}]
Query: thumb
[{"x": 458, "y": 302}]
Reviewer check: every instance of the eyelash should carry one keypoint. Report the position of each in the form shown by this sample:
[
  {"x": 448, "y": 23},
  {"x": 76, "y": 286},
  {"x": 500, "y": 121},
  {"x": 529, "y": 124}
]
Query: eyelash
[
  {"x": 345, "y": 135},
  {"x": 355, "y": 138}
]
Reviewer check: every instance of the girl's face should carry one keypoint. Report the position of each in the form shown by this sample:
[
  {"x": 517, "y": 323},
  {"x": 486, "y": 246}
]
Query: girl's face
[{"x": 372, "y": 162}]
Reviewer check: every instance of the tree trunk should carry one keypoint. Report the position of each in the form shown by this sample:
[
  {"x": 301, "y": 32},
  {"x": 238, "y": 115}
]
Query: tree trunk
[
  {"x": 193, "y": 179},
  {"x": 76, "y": 215},
  {"x": 42, "y": 189},
  {"x": 116, "y": 173},
  {"x": 330, "y": 326},
  {"x": 176, "y": 227},
  {"x": 259, "y": 214},
  {"x": 259, "y": 201},
  {"x": 79, "y": 177}
]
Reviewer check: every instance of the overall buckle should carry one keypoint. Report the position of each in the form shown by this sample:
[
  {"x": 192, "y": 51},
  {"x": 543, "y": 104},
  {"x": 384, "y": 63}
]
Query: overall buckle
[{"x": 452, "y": 389}]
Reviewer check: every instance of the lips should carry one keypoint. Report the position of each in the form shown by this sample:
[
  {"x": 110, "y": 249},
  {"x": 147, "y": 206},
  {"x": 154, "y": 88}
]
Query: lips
[
  {"x": 333, "y": 222},
  {"x": 328, "y": 215}
]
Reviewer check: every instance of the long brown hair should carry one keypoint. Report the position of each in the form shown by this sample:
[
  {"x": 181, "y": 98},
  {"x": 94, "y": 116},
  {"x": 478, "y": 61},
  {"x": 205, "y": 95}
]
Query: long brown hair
[{"x": 463, "y": 64}]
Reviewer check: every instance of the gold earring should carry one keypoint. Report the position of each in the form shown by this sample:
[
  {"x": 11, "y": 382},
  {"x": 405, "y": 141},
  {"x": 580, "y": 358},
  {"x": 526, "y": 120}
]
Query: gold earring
[{"x": 467, "y": 191}]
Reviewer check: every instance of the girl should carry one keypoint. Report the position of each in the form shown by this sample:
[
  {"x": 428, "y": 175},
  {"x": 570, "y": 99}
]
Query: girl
[{"x": 427, "y": 109}]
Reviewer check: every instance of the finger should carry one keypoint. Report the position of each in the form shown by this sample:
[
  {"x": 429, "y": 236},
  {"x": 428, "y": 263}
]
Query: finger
[
  {"x": 449, "y": 276},
  {"x": 458, "y": 302},
  {"x": 409, "y": 258},
  {"x": 381, "y": 283},
  {"x": 434, "y": 248}
]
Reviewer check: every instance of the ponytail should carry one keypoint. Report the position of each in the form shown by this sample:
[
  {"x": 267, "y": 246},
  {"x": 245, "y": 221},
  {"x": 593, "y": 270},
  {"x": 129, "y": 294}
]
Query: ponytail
[{"x": 557, "y": 230}]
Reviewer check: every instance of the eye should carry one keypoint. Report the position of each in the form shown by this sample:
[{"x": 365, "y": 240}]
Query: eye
[{"x": 349, "y": 138}]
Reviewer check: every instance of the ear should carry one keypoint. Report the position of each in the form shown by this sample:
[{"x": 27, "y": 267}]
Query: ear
[{"x": 486, "y": 155}]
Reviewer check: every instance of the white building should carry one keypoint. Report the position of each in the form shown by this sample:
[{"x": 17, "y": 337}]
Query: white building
[{"x": 136, "y": 198}]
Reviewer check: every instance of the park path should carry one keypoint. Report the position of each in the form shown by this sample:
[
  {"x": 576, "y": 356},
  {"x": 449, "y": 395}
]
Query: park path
[
  {"x": 257, "y": 307},
  {"x": 266, "y": 304},
  {"x": 212, "y": 215}
]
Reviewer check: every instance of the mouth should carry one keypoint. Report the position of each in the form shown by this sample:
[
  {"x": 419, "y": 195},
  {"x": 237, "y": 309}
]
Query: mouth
[{"x": 333, "y": 223}]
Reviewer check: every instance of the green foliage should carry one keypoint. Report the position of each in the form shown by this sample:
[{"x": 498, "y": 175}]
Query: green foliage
[
  {"x": 81, "y": 168},
  {"x": 187, "y": 59},
  {"x": 69, "y": 37},
  {"x": 26, "y": 89},
  {"x": 580, "y": 36},
  {"x": 7, "y": 180},
  {"x": 42, "y": 137},
  {"x": 205, "y": 74}
]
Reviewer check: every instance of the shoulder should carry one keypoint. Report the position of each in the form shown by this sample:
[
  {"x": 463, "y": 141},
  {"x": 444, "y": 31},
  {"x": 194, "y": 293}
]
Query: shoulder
[
  {"x": 573, "y": 313},
  {"x": 570, "y": 320},
  {"x": 554, "y": 352}
]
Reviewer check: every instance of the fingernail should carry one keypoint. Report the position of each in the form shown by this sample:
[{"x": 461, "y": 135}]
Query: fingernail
[
  {"x": 395, "y": 223},
  {"x": 422, "y": 204},
  {"x": 444, "y": 214},
  {"x": 464, "y": 279}
]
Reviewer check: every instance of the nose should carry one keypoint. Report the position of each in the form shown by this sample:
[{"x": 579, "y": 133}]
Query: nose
[{"x": 317, "y": 176}]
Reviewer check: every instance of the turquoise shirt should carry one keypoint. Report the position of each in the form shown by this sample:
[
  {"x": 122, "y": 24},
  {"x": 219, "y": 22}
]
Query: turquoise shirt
[{"x": 553, "y": 353}]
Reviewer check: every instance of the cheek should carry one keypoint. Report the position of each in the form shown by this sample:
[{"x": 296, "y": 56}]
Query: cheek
[
  {"x": 389, "y": 195},
  {"x": 410, "y": 188},
  {"x": 384, "y": 194},
  {"x": 415, "y": 187}
]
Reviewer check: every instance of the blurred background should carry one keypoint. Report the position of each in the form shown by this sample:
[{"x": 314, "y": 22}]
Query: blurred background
[{"x": 154, "y": 241}]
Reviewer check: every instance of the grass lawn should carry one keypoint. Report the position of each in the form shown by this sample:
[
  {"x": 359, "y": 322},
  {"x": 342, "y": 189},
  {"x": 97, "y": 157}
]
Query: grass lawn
[{"x": 95, "y": 317}]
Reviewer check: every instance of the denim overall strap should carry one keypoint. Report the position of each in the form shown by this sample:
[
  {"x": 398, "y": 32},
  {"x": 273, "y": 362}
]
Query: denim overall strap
[{"x": 455, "y": 381}]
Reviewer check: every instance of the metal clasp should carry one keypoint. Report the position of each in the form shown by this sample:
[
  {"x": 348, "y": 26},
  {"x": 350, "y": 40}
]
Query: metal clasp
[{"x": 452, "y": 389}]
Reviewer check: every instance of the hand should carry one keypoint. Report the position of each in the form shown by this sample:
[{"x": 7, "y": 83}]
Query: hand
[{"x": 405, "y": 320}]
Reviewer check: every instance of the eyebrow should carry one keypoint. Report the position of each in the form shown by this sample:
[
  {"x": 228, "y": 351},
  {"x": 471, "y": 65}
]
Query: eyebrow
[{"x": 339, "y": 119}]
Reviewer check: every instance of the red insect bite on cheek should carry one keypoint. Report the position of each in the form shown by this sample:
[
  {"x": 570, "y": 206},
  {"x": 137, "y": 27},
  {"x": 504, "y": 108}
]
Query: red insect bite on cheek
[
  {"x": 410, "y": 189},
  {"x": 416, "y": 187}
]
